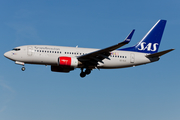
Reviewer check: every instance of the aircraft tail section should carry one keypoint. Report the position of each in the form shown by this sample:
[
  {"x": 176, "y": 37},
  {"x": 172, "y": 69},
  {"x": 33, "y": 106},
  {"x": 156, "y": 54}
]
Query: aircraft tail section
[
  {"x": 151, "y": 41},
  {"x": 158, "y": 54}
]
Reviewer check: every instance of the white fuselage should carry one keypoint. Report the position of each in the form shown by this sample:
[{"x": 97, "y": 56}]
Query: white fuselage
[
  {"x": 66, "y": 59},
  {"x": 48, "y": 55}
]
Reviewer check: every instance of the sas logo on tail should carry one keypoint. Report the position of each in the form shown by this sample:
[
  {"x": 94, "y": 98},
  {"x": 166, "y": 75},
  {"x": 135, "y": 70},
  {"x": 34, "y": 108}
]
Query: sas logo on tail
[{"x": 148, "y": 47}]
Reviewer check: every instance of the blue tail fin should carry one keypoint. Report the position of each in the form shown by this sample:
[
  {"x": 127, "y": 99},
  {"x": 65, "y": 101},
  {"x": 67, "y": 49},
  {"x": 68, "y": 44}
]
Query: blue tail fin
[{"x": 151, "y": 41}]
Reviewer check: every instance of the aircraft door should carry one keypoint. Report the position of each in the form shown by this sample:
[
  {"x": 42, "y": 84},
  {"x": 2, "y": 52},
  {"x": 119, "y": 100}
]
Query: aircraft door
[
  {"x": 132, "y": 58},
  {"x": 29, "y": 50}
]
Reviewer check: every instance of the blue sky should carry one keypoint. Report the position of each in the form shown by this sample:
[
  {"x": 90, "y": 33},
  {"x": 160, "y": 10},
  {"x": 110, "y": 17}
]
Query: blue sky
[{"x": 140, "y": 93}]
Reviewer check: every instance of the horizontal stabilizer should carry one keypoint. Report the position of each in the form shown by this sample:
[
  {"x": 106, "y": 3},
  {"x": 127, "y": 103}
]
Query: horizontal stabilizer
[{"x": 159, "y": 53}]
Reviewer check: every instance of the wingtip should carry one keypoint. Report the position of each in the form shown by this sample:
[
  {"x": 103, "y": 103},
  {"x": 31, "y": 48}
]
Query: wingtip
[{"x": 128, "y": 38}]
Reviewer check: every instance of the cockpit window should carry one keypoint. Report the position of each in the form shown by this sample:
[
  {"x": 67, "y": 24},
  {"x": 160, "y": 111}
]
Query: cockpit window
[{"x": 16, "y": 49}]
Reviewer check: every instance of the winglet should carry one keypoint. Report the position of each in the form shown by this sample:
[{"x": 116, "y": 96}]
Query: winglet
[{"x": 128, "y": 38}]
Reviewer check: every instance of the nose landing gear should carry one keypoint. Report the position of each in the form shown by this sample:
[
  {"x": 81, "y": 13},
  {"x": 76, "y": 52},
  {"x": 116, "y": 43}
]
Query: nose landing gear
[
  {"x": 87, "y": 72},
  {"x": 20, "y": 63},
  {"x": 23, "y": 68}
]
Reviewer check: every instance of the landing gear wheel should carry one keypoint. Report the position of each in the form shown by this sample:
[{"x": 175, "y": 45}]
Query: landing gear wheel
[
  {"x": 82, "y": 74},
  {"x": 23, "y": 68},
  {"x": 87, "y": 71}
]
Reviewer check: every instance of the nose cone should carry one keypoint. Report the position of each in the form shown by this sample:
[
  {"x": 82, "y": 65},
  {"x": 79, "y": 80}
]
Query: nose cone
[{"x": 7, "y": 55}]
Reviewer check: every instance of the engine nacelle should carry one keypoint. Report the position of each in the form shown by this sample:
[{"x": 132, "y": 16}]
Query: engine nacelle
[
  {"x": 67, "y": 62},
  {"x": 61, "y": 69}
]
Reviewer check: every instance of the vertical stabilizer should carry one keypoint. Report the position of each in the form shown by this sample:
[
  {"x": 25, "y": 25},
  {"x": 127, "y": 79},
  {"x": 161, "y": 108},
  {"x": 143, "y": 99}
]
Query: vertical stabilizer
[{"x": 151, "y": 41}]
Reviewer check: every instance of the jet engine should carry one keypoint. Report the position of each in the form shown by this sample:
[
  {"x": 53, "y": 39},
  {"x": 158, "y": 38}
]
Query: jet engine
[
  {"x": 61, "y": 69},
  {"x": 65, "y": 64}
]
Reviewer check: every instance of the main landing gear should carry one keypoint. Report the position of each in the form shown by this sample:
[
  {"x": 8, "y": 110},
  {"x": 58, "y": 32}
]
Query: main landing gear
[{"x": 87, "y": 72}]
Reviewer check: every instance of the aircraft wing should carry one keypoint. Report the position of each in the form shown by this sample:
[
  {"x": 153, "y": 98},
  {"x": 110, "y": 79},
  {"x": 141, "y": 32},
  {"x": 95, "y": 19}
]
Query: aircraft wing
[{"x": 99, "y": 55}]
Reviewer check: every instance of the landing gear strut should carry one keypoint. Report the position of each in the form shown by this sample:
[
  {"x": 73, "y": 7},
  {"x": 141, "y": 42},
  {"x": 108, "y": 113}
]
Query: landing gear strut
[{"x": 87, "y": 72}]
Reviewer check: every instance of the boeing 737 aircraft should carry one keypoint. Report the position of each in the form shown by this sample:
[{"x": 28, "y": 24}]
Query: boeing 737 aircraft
[{"x": 66, "y": 59}]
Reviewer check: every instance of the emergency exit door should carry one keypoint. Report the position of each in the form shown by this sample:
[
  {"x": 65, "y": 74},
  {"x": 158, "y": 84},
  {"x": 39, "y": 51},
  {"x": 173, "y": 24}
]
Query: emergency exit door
[{"x": 132, "y": 58}]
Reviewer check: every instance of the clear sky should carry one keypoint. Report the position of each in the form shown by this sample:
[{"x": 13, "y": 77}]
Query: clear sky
[{"x": 147, "y": 92}]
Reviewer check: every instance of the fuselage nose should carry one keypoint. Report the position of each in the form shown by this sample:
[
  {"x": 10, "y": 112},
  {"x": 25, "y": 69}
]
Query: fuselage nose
[{"x": 8, "y": 54}]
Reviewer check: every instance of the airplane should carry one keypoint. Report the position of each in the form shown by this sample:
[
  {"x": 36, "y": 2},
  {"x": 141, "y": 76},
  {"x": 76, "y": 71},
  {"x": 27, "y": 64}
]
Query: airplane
[{"x": 66, "y": 59}]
